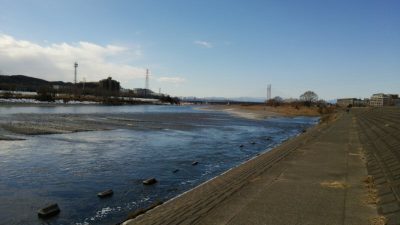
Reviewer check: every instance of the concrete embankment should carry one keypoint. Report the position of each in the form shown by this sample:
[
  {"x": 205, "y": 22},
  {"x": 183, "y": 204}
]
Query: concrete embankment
[
  {"x": 379, "y": 130},
  {"x": 319, "y": 177}
]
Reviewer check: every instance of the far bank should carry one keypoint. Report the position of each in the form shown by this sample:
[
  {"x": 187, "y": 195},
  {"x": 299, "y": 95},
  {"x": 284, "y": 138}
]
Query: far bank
[{"x": 262, "y": 111}]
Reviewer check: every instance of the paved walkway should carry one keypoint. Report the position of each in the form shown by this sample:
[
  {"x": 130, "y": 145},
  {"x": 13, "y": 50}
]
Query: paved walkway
[{"x": 316, "y": 178}]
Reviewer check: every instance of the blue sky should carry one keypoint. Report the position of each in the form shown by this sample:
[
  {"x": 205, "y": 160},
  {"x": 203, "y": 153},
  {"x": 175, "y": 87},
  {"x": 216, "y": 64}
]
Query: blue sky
[{"x": 209, "y": 47}]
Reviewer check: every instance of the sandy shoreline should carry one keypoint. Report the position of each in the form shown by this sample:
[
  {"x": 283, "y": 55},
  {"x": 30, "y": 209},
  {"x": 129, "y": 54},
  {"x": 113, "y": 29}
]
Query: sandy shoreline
[{"x": 15, "y": 127}]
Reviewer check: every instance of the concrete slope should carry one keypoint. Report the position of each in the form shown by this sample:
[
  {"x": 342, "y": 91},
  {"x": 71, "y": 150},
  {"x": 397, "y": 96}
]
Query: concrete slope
[{"x": 379, "y": 130}]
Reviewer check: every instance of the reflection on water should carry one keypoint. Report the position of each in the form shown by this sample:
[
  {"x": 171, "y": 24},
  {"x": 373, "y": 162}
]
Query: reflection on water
[{"x": 71, "y": 168}]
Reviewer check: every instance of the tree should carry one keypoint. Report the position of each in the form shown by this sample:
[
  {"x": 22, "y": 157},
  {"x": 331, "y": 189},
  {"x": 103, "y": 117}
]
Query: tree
[
  {"x": 169, "y": 99},
  {"x": 308, "y": 98},
  {"x": 276, "y": 101},
  {"x": 46, "y": 93},
  {"x": 110, "y": 86}
]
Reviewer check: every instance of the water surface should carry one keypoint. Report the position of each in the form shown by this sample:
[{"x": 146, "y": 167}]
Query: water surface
[{"x": 71, "y": 168}]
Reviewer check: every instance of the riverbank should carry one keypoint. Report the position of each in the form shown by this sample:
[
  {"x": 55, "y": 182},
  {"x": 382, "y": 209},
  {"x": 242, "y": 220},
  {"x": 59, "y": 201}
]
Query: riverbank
[
  {"x": 319, "y": 177},
  {"x": 260, "y": 111}
]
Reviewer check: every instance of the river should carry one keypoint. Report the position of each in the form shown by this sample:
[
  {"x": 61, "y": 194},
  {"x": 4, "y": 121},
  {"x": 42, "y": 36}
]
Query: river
[{"x": 70, "y": 169}]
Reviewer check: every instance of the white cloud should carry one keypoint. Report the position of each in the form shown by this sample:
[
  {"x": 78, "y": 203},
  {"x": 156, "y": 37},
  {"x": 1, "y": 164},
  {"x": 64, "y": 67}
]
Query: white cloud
[
  {"x": 204, "y": 44},
  {"x": 173, "y": 80},
  {"x": 54, "y": 61}
]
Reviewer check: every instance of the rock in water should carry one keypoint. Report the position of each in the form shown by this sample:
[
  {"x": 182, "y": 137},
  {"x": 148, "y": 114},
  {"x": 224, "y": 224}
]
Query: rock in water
[
  {"x": 104, "y": 194},
  {"x": 49, "y": 211},
  {"x": 150, "y": 181}
]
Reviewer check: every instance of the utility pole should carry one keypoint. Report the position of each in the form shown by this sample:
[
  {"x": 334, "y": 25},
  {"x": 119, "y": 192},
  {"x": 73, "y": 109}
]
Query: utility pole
[
  {"x": 75, "y": 88},
  {"x": 76, "y": 71},
  {"x": 147, "y": 83},
  {"x": 84, "y": 81},
  {"x": 147, "y": 78}
]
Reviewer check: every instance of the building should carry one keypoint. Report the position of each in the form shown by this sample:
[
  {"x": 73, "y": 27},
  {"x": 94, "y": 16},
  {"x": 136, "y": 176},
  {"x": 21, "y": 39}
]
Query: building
[
  {"x": 143, "y": 92},
  {"x": 393, "y": 99},
  {"x": 345, "y": 102},
  {"x": 380, "y": 100}
]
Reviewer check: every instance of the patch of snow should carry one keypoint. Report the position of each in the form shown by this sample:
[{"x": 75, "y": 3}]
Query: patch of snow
[{"x": 34, "y": 101}]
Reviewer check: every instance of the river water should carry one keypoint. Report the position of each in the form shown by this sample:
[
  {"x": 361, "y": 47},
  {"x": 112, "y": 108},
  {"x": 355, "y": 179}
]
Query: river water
[{"x": 70, "y": 169}]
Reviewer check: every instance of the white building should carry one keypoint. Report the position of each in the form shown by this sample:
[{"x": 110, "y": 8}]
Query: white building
[
  {"x": 379, "y": 100},
  {"x": 345, "y": 102}
]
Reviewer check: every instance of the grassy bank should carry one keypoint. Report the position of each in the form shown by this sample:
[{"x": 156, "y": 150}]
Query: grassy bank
[{"x": 260, "y": 111}]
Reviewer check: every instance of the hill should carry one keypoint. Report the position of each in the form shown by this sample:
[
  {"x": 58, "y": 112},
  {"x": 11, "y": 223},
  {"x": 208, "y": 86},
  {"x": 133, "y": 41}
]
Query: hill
[{"x": 26, "y": 83}]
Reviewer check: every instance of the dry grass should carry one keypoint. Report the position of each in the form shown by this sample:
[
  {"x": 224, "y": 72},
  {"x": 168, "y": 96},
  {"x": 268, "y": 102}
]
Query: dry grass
[
  {"x": 362, "y": 153},
  {"x": 283, "y": 110},
  {"x": 328, "y": 118},
  {"x": 379, "y": 220},
  {"x": 334, "y": 184},
  {"x": 372, "y": 192},
  {"x": 265, "y": 111}
]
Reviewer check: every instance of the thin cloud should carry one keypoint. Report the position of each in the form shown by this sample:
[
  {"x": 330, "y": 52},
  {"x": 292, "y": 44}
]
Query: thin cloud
[
  {"x": 204, "y": 44},
  {"x": 54, "y": 61},
  {"x": 173, "y": 80}
]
